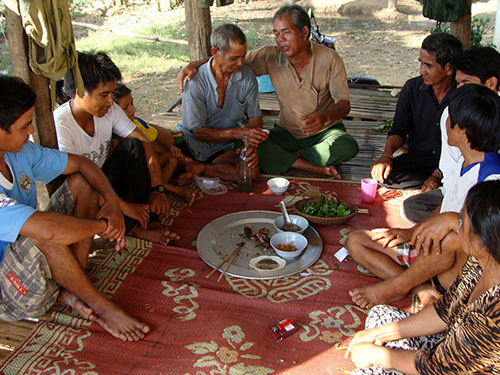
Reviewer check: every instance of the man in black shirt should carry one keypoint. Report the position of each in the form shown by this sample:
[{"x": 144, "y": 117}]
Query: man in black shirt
[{"x": 416, "y": 121}]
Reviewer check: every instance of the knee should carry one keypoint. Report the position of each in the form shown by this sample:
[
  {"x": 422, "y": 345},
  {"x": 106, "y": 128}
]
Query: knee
[
  {"x": 80, "y": 187},
  {"x": 353, "y": 243},
  {"x": 131, "y": 147}
]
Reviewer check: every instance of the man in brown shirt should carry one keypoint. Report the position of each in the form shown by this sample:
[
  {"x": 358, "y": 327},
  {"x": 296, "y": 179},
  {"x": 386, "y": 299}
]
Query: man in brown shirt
[{"x": 311, "y": 86}]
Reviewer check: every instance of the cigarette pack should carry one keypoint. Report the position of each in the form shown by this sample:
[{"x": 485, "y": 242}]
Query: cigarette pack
[{"x": 282, "y": 329}]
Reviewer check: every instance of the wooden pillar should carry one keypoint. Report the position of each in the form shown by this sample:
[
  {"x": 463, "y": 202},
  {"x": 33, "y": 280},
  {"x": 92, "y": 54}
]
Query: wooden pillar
[
  {"x": 45, "y": 133},
  {"x": 462, "y": 26},
  {"x": 199, "y": 27}
]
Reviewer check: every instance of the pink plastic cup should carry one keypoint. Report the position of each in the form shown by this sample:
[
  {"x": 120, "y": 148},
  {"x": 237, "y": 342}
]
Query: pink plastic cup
[{"x": 368, "y": 190}]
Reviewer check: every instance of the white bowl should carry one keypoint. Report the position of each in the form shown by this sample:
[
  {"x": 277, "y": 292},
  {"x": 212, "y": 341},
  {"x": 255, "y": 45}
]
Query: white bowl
[
  {"x": 299, "y": 241},
  {"x": 278, "y": 185},
  {"x": 300, "y": 221}
]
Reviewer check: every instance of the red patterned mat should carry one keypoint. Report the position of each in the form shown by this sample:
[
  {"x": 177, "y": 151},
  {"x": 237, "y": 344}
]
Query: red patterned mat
[{"x": 199, "y": 326}]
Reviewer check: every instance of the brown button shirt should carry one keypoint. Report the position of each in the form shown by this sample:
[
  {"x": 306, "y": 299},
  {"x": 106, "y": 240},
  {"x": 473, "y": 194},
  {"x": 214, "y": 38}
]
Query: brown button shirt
[{"x": 324, "y": 84}]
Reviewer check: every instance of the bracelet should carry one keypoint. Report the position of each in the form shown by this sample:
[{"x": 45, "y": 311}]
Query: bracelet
[{"x": 389, "y": 156}]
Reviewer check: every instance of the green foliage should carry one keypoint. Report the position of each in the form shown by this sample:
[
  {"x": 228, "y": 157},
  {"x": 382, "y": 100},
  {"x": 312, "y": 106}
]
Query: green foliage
[
  {"x": 326, "y": 208},
  {"x": 478, "y": 28},
  {"x": 75, "y": 7},
  {"x": 134, "y": 55}
]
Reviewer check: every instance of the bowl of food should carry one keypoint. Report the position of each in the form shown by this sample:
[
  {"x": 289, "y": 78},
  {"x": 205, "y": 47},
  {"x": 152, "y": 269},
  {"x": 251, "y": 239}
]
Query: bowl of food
[
  {"x": 278, "y": 185},
  {"x": 300, "y": 221},
  {"x": 288, "y": 245},
  {"x": 324, "y": 211}
]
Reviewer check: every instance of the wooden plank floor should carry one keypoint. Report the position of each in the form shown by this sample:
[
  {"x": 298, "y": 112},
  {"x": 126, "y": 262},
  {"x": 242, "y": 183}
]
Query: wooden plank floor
[{"x": 369, "y": 107}]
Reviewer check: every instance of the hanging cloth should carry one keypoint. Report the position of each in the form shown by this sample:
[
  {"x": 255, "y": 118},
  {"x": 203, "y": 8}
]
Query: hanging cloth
[
  {"x": 51, "y": 43},
  {"x": 445, "y": 10}
]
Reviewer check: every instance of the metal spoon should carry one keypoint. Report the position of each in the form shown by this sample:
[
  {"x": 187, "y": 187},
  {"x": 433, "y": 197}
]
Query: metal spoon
[{"x": 288, "y": 225}]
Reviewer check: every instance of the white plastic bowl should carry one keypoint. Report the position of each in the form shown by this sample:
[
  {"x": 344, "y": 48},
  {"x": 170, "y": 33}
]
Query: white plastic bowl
[
  {"x": 300, "y": 221},
  {"x": 299, "y": 241},
  {"x": 278, "y": 185}
]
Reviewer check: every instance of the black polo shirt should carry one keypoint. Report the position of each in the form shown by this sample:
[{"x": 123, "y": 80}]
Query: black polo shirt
[{"x": 417, "y": 116}]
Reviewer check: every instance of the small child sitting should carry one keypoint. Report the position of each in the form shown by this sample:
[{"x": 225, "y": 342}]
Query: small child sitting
[{"x": 161, "y": 139}]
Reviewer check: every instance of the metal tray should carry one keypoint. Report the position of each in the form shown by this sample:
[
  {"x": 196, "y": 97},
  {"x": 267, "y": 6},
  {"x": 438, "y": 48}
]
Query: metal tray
[{"x": 222, "y": 235}]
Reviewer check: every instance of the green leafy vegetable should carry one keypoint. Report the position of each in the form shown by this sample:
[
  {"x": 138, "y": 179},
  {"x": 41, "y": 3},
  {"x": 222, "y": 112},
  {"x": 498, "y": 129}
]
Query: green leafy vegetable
[{"x": 325, "y": 208}]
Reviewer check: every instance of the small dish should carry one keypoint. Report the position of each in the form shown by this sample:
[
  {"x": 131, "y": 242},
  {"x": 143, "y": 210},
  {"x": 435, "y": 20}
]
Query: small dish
[
  {"x": 288, "y": 238},
  {"x": 278, "y": 185},
  {"x": 266, "y": 263},
  {"x": 300, "y": 221}
]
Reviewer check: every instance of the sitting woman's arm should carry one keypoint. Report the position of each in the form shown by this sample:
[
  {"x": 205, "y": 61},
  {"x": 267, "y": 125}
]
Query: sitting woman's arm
[
  {"x": 366, "y": 349},
  {"x": 473, "y": 346}
]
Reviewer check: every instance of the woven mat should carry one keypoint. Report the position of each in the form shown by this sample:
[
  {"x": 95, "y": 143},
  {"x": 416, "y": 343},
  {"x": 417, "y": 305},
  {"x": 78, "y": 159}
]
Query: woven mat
[{"x": 199, "y": 326}]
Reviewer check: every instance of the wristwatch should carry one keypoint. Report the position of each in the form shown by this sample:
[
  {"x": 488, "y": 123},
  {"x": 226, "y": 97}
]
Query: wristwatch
[{"x": 159, "y": 189}]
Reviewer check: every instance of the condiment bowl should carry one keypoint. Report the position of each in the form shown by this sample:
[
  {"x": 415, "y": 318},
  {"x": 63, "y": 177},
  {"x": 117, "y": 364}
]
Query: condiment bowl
[
  {"x": 300, "y": 221},
  {"x": 278, "y": 185},
  {"x": 298, "y": 240}
]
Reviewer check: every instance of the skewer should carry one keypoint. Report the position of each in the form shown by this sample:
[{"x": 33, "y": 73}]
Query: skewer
[
  {"x": 240, "y": 245},
  {"x": 230, "y": 261}
]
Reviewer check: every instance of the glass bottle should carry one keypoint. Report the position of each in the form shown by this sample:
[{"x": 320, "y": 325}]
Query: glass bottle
[{"x": 244, "y": 170}]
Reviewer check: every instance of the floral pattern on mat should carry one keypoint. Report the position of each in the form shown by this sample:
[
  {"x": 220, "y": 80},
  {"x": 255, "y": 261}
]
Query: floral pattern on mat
[
  {"x": 333, "y": 324},
  {"x": 234, "y": 358}
]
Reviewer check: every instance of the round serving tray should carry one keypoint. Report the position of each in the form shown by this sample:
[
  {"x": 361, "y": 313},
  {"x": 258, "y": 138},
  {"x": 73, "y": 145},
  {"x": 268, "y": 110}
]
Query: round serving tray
[{"x": 221, "y": 236}]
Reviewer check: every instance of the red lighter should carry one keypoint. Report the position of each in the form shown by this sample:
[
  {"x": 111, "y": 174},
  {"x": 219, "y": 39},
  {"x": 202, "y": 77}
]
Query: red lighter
[{"x": 282, "y": 329}]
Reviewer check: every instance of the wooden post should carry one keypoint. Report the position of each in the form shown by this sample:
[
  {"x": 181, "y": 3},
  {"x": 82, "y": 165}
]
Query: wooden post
[
  {"x": 199, "y": 27},
  {"x": 45, "y": 133},
  {"x": 462, "y": 26}
]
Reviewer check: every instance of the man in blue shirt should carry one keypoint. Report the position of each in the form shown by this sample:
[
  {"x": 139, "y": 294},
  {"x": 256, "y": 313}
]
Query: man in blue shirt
[
  {"x": 43, "y": 251},
  {"x": 215, "y": 100}
]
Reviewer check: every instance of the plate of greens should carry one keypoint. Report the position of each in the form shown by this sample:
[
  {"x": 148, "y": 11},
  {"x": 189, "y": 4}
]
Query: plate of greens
[{"x": 324, "y": 211}]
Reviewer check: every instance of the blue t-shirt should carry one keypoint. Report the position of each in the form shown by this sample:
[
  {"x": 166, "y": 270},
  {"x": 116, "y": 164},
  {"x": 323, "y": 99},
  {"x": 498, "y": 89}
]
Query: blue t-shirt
[{"x": 18, "y": 202}]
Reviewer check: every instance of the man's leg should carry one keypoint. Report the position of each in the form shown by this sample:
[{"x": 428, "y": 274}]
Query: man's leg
[
  {"x": 68, "y": 273},
  {"x": 224, "y": 166},
  {"x": 446, "y": 265},
  {"x": 419, "y": 207},
  {"x": 410, "y": 170},
  {"x": 26, "y": 285},
  {"x": 128, "y": 174},
  {"x": 280, "y": 152},
  {"x": 332, "y": 146},
  {"x": 75, "y": 197}
]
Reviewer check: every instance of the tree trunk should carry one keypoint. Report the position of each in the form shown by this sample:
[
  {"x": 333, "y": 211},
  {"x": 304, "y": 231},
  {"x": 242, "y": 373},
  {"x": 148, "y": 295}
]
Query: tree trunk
[
  {"x": 392, "y": 4},
  {"x": 199, "y": 27},
  {"x": 45, "y": 133},
  {"x": 461, "y": 28}
]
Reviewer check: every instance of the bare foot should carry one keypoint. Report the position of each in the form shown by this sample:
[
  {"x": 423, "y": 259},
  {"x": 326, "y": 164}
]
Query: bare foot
[
  {"x": 426, "y": 293},
  {"x": 154, "y": 233},
  {"x": 375, "y": 294},
  {"x": 193, "y": 168},
  {"x": 118, "y": 323},
  {"x": 331, "y": 170},
  {"x": 183, "y": 193},
  {"x": 76, "y": 303}
]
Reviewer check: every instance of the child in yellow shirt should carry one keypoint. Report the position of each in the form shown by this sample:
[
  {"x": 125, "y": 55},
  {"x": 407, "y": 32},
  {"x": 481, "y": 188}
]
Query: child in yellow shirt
[{"x": 162, "y": 140}]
